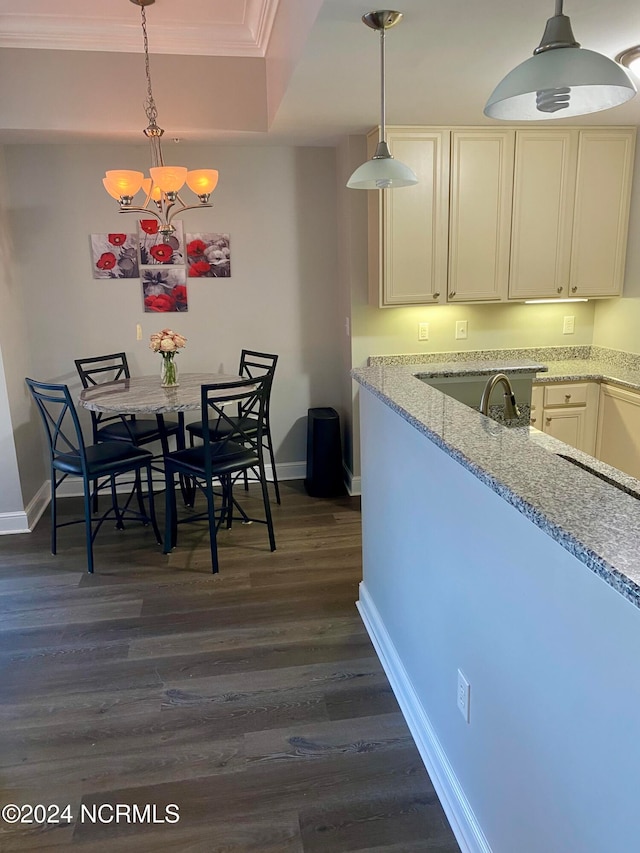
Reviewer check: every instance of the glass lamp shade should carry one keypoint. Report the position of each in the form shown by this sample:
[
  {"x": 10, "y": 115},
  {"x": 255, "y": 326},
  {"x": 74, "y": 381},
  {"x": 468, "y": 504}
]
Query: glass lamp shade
[
  {"x": 202, "y": 181},
  {"x": 170, "y": 179},
  {"x": 122, "y": 182},
  {"x": 382, "y": 173},
  {"x": 559, "y": 83}
]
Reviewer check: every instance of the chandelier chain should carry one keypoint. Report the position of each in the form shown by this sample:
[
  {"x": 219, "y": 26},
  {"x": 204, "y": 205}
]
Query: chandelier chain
[{"x": 150, "y": 105}]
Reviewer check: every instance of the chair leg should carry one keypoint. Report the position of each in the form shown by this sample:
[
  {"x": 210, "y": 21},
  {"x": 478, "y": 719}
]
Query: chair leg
[
  {"x": 171, "y": 521},
  {"x": 267, "y": 508},
  {"x": 152, "y": 505},
  {"x": 213, "y": 538},
  {"x": 276, "y": 485},
  {"x": 114, "y": 504},
  {"x": 88, "y": 525},
  {"x": 54, "y": 514},
  {"x": 139, "y": 495}
]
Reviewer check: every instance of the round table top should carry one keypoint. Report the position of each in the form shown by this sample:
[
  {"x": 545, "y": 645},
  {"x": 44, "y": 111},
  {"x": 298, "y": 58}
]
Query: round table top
[{"x": 144, "y": 394}]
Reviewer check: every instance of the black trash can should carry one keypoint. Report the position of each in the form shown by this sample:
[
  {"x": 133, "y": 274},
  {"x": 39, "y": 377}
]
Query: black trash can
[{"x": 324, "y": 454}]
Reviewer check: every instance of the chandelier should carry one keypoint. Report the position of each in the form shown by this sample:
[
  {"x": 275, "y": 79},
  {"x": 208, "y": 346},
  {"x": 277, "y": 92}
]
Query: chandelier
[{"x": 163, "y": 187}]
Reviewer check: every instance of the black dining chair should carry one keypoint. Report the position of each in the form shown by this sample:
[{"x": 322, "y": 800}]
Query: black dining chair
[
  {"x": 130, "y": 428},
  {"x": 98, "y": 465},
  {"x": 214, "y": 466},
  {"x": 253, "y": 364}
]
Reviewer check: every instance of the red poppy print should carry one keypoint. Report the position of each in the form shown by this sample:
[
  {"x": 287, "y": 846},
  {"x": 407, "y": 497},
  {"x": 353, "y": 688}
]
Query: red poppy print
[
  {"x": 180, "y": 294},
  {"x": 199, "y": 269},
  {"x": 114, "y": 256},
  {"x": 160, "y": 303},
  {"x": 106, "y": 261},
  {"x": 162, "y": 253},
  {"x": 208, "y": 255},
  {"x": 195, "y": 249},
  {"x": 149, "y": 226}
]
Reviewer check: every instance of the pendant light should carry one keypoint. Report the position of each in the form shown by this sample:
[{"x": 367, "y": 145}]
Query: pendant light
[
  {"x": 560, "y": 80},
  {"x": 382, "y": 172},
  {"x": 162, "y": 188}
]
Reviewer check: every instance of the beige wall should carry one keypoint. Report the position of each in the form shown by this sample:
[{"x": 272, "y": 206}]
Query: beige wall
[{"x": 278, "y": 204}]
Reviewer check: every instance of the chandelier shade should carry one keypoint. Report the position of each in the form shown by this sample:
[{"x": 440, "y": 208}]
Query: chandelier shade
[
  {"x": 382, "y": 172},
  {"x": 560, "y": 80},
  {"x": 162, "y": 188}
]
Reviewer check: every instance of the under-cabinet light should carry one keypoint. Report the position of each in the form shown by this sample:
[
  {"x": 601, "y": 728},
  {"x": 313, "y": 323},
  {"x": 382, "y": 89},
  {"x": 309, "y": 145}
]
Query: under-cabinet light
[{"x": 540, "y": 301}]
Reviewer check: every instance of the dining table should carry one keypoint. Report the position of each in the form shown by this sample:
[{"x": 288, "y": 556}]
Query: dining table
[{"x": 144, "y": 395}]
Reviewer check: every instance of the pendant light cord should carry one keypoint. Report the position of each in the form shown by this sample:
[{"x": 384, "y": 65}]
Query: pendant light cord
[
  {"x": 383, "y": 108},
  {"x": 150, "y": 105}
]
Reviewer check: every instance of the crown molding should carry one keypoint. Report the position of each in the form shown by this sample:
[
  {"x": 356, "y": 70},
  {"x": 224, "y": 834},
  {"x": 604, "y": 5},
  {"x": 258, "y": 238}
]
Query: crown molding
[{"x": 209, "y": 38}]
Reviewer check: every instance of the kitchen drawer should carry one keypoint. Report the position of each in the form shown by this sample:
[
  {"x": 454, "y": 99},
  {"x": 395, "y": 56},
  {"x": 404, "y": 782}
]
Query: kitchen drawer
[{"x": 566, "y": 395}]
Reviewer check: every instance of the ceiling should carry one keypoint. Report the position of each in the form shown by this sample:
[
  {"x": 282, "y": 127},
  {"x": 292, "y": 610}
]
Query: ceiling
[{"x": 256, "y": 71}]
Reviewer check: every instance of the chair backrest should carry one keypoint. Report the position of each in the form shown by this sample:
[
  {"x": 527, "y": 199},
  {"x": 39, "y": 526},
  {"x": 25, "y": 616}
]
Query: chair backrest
[
  {"x": 218, "y": 404},
  {"x": 255, "y": 364},
  {"x": 60, "y": 419},
  {"x": 100, "y": 369}
]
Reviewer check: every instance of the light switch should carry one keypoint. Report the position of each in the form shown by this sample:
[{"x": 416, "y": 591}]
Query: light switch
[
  {"x": 461, "y": 330},
  {"x": 423, "y": 331},
  {"x": 568, "y": 326}
]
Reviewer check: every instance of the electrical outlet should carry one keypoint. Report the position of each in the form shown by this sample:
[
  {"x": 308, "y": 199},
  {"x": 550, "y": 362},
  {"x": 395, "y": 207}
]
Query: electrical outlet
[
  {"x": 461, "y": 330},
  {"x": 569, "y": 325},
  {"x": 464, "y": 695},
  {"x": 423, "y": 331}
]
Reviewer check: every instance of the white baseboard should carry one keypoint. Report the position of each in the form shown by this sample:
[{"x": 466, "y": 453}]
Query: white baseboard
[
  {"x": 26, "y": 520},
  {"x": 353, "y": 484},
  {"x": 454, "y": 802}
]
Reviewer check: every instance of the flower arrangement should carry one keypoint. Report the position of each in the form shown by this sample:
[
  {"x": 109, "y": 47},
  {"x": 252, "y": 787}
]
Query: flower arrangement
[{"x": 167, "y": 343}]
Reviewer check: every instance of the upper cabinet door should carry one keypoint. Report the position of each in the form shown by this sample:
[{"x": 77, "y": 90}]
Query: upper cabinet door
[
  {"x": 543, "y": 193},
  {"x": 414, "y": 221},
  {"x": 480, "y": 214},
  {"x": 601, "y": 215}
]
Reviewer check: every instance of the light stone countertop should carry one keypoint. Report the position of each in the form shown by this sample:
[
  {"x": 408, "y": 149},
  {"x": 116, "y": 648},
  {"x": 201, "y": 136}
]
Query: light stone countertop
[{"x": 598, "y": 523}]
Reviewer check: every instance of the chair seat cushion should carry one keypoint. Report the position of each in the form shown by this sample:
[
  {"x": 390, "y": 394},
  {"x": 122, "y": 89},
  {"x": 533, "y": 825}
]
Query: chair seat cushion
[
  {"x": 103, "y": 458},
  {"x": 248, "y": 425},
  {"x": 227, "y": 458},
  {"x": 140, "y": 431}
]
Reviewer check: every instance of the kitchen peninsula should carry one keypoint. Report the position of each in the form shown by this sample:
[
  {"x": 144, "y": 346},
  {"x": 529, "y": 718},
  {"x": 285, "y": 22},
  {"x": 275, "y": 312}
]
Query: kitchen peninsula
[{"x": 488, "y": 558}]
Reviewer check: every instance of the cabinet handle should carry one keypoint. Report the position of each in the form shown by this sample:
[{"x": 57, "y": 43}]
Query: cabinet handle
[
  {"x": 567, "y": 397},
  {"x": 547, "y": 421},
  {"x": 533, "y": 420},
  {"x": 436, "y": 295},
  {"x": 560, "y": 290},
  {"x": 574, "y": 288},
  {"x": 452, "y": 293}
]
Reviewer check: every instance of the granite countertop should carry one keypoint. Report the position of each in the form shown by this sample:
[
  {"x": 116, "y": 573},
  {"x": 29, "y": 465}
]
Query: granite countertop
[
  {"x": 597, "y": 522},
  {"x": 591, "y": 370}
]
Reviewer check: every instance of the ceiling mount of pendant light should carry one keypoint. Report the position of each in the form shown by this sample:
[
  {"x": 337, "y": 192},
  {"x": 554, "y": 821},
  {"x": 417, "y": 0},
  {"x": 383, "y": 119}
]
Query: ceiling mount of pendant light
[
  {"x": 163, "y": 187},
  {"x": 382, "y": 171},
  {"x": 560, "y": 80}
]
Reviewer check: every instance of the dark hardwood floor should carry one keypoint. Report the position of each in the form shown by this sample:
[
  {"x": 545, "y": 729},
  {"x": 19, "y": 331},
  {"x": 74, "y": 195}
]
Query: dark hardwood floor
[{"x": 253, "y": 700}]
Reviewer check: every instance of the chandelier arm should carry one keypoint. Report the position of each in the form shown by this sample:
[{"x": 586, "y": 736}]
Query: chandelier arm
[
  {"x": 188, "y": 207},
  {"x": 141, "y": 210}
]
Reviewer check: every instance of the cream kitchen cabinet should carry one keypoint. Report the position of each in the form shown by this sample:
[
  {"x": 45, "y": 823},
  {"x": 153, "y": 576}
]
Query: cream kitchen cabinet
[
  {"x": 619, "y": 429},
  {"x": 480, "y": 214},
  {"x": 567, "y": 411},
  {"x": 571, "y": 198},
  {"x": 502, "y": 214},
  {"x": 408, "y": 227}
]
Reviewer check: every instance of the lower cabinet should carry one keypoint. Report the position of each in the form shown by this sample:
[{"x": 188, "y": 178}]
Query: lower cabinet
[
  {"x": 568, "y": 411},
  {"x": 618, "y": 441}
]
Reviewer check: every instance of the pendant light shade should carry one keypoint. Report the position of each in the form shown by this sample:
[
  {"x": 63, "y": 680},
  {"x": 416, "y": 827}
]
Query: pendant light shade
[
  {"x": 382, "y": 172},
  {"x": 560, "y": 80}
]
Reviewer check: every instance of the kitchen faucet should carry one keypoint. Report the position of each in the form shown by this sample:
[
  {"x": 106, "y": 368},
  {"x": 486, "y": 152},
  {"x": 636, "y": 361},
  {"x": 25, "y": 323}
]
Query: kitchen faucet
[{"x": 511, "y": 410}]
